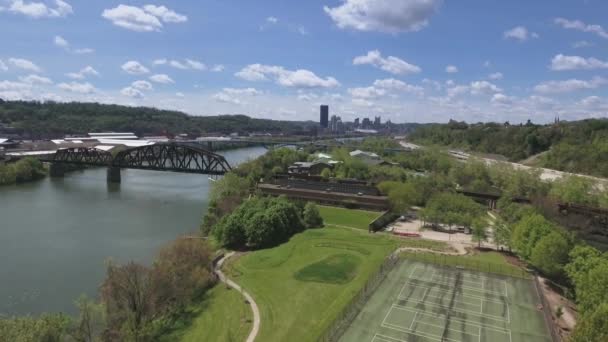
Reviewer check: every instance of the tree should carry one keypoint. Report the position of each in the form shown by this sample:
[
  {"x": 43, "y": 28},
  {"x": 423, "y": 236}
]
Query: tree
[
  {"x": 326, "y": 174},
  {"x": 311, "y": 216},
  {"x": 574, "y": 189},
  {"x": 90, "y": 322},
  {"x": 583, "y": 258},
  {"x": 47, "y": 328},
  {"x": 502, "y": 233},
  {"x": 127, "y": 294},
  {"x": 592, "y": 326},
  {"x": 528, "y": 231},
  {"x": 479, "y": 231},
  {"x": 594, "y": 290},
  {"x": 550, "y": 254}
]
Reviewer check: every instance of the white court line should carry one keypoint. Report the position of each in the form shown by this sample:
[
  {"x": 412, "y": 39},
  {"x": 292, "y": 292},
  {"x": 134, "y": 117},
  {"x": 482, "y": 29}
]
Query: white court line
[
  {"x": 414, "y": 320},
  {"x": 385, "y": 338},
  {"x": 443, "y": 327},
  {"x": 506, "y": 291},
  {"x": 425, "y": 335},
  {"x": 456, "y": 301},
  {"x": 481, "y": 307},
  {"x": 496, "y": 318},
  {"x": 453, "y": 279},
  {"x": 448, "y": 292},
  {"x": 462, "y": 287},
  {"x": 489, "y": 327}
]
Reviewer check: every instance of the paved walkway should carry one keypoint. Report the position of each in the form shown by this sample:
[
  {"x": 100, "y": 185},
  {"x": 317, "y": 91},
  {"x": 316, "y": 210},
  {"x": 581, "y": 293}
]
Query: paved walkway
[{"x": 254, "y": 307}]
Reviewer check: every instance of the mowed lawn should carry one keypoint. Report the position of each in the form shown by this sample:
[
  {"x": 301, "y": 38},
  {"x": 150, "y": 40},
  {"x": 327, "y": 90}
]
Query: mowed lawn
[
  {"x": 353, "y": 218},
  {"x": 302, "y": 285},
  {"x": 221, "y": 316}
]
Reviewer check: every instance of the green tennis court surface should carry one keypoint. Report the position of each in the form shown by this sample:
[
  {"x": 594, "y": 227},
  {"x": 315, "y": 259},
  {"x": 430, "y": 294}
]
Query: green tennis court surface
[{"x": 420, "y": 302}]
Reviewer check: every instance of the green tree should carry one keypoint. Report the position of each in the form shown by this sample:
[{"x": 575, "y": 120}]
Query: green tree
[
  {"x": 550, "y": 254},
  {"x": 311, "y": 216},
  {"x": 479, "y": 232},
  {"x": 528, "y": 231},
  {"x": 592, "y": 326}
]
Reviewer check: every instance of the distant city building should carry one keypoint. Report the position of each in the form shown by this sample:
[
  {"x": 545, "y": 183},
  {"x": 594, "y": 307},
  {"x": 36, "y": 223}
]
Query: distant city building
[
  {"x": 377, "y": 122},
  {"x": 324, "y": 121},
  {"x": 356, "y": 123},
  {"x": 366, "y": 123},
  {"x": 336, "y": 125}
]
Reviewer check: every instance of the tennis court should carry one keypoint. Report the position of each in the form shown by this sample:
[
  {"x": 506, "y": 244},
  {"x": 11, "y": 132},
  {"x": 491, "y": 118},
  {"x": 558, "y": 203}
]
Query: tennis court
[{"x": 420, "y": 302}]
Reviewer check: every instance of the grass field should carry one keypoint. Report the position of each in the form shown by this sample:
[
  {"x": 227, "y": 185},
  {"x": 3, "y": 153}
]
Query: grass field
[
  {"x": 302, "y": 285},
  {"x": 430, "y": 303},
  {"x": 352, "y": 218},
  {"x": 221, "y": 316}
]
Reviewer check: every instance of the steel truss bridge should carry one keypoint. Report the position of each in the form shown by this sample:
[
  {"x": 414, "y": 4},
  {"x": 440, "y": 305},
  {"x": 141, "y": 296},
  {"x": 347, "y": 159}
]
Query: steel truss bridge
[{"x": 173, "y": 157}]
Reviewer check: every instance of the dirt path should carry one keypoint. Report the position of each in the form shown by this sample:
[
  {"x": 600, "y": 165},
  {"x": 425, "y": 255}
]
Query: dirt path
[{"x": 254, "y": 306}]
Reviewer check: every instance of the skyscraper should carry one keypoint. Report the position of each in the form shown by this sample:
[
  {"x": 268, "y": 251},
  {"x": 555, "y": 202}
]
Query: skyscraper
[{"x": 324, "y": 116}]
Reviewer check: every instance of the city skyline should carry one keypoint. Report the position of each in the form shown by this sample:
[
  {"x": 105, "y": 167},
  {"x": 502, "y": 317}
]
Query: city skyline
[{"x": 407, "y": 61}]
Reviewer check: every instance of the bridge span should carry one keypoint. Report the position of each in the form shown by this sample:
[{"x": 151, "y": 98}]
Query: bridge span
[{"x": 172, "y": 157}]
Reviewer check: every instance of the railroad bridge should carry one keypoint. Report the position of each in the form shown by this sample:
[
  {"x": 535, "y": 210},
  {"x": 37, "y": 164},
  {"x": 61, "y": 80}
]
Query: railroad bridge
[{"x": 173, "y": 157}]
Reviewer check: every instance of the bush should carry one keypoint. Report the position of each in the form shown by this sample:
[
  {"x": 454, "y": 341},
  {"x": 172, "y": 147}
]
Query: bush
[{"x": 311, "y": 216}]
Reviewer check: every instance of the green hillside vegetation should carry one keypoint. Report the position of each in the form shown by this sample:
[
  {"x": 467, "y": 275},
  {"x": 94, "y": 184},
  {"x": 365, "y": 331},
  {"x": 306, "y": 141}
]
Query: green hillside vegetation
[{"x": 578, "y": 146}]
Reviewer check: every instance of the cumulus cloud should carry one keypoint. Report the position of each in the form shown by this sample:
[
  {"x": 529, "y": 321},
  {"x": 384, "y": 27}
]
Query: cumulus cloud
[
  {"x": 501, "y": 99},
  {"x": 549, "y": 87},
  {"x": 134, "y": 68},
  {"x": 390, "y": 64},
  {"x": 484, "y": 87},
  {"x": 142, "y": 85},
  {"x": 561, "y": 63},
  {"x": 581, "y": 26},
  {"x": 82, "y": 74},
  {"x": 226, "y": 98},
  {"x": 242, "y": 91},
  {"x": 272, "y": 20},
  {"x": 75, "y": 87},
  {"x": 384, "y": 87},
  {"x": 132, "y": 92},
  {"x": 451, "y": 69},
  {"x": 495, "y": 76},
  {"x": 146, "y": 19},
  {"x": 367, "y": 92},
  {"x": 3, "y": 66},
  {"x": 300, "y": 78},
  {"x": 47, "y": 9},
  {"x": 217, "y": 68},
  {"x": 581, "y": 44},
  {"x": 519, "y": 33},
  {"x": 390, "y": 16},
  {"x": 64, "y": 44},
  {"x": 35, "y": 79},
  {"x": 187, "y": 64},
  {"x": 24, "y": 64},
  {"x": 8, "y": 85},
  {"x": 161, "y": 78}
]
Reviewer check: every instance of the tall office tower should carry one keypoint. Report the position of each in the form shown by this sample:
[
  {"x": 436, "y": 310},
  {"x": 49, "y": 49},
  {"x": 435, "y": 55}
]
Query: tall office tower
[{"x": 324, "y": 116}]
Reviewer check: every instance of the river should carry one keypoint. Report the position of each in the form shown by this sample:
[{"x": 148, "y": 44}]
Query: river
[{"x": 57, "y": 234}]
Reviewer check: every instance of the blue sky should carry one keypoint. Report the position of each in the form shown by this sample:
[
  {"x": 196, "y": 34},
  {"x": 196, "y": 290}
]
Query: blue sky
[{"x": 406, "y": 60}]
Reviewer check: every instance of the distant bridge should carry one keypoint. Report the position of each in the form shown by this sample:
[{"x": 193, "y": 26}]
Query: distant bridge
[{"x": 173, "y": 157}]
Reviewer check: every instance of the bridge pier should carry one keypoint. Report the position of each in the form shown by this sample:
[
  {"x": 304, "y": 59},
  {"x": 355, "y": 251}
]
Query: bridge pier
[
  {"x": 113, "y": 174},
  {"x": 57, "y": 170}
]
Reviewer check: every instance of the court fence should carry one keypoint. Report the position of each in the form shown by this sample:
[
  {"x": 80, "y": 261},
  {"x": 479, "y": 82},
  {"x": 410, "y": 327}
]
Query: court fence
[
  {"x": 346, "y": 317},
  {"x": 555, "y": 336},
  {"x": 470, "y": 264}
]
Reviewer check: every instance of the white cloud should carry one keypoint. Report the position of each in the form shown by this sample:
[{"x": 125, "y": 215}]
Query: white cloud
[
  {"x": 196, "y": 65},
  {"x": 495, "y": 76},
  {"x": 581, "y": 44},
  {"x": 35, "y": 79},
  {"x": 392, "y": 84},
  {"x": 134, "y": 68},
  {"x": 146, "y": 19},
  {"x": 161, "y": 78},
  {"x": 142, "y": 85},
  {"x": 362, "y": 103},
  {"x": 132, "y": 92},
  {"x": 8, "y": 85},
  {"x": 75, "y": 87},
  {"x": 83, "y": 51},
  {"x": 3, "y": 66},
  {"x": 272, "y": 20},
  {"x": 223, "y": 97},
  {"x": 484, "y": 87},
  {"x": 451, "y": 69},
  {"x": 581, "y": 26},
  {"x": 391, "y": 64},
  {"x": 165, "y": 14},
  {"x": 519, "y": 33},
  {"x": 161, "y": 61},
  {"x": 367, "y": 92},
  {"x": 61, "y": 42},
  {"x": 242, "y": 91},
  {"x": 570, "y": 85},
  {"x": 457, "y": 90},
  {"x": 217, "y": 68},
  {"x": 24, "y": 64},
  {"x": 561, "y": 63},
  {"x": 300, "y": 78},
  {"x": 58, "y": 9},
  {"x": 178, "y": 94},
  {"x": 88, "y": 70},
  {"x": 501, "y": 99},
  {"x": 391, "y": 16}
]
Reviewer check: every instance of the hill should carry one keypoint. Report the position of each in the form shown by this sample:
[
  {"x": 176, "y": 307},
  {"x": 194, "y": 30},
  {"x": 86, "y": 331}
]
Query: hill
[
  {"x": 50, "y": 119},
  {"x": 576, "y": 146}
]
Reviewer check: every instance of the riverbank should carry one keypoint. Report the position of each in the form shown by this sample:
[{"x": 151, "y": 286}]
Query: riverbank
[{"x": 22, "y": 171}]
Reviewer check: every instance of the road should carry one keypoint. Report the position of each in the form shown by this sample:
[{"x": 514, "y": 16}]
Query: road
[{"x": 254, "y": 306}]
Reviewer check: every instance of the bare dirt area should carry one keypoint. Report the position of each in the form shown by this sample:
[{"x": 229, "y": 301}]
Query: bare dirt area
[
  {"x": 459, "y": 241},
  {"x": 567, "y": 321}
]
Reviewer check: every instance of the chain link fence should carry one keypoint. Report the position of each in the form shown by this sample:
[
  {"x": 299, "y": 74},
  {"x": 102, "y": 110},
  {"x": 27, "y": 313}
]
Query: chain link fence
[
  {"x": 555, "y": 336},
  {"x": 352, "y": 309}
]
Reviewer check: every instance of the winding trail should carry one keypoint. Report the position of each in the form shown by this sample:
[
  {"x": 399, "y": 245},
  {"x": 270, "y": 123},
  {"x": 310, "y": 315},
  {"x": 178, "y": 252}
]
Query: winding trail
[{"x": 254, "y": 306}]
